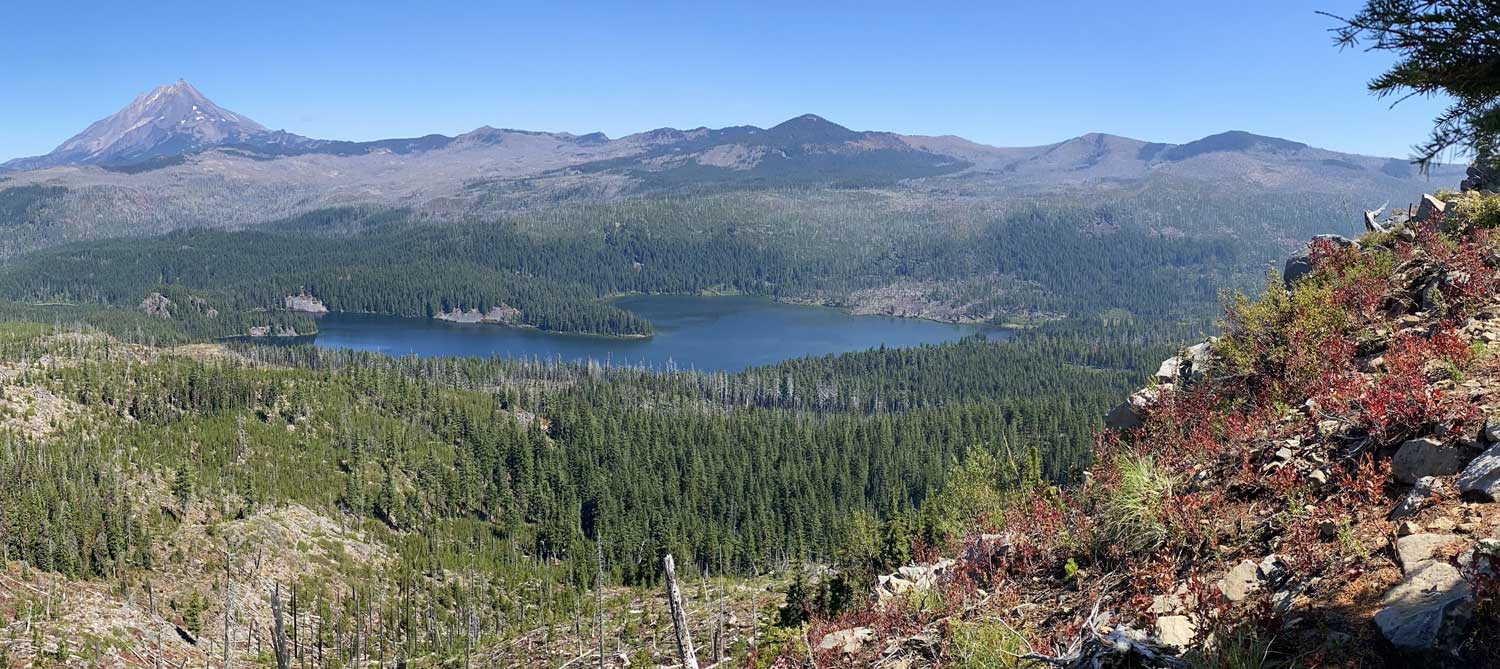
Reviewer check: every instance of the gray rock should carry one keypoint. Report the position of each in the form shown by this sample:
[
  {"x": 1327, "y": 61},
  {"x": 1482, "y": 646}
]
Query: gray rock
[
  {"x": 1300, "y": 264},
  {"x": 1169, "y": 369},
  {"x": 1415, "y": 498},
  {"x": 1480, "y": 178},
  {"x": 1176, "y": 631},
  {"x": 1242, "y": 580},
  {"x": 157, "y": 305},
  {"x": 1197, "y": 358},
  {"x": 1271, "y": 569},
  {"x": 1122, "y": 417},
  {"x": 1416, "y": 550},
  {"x": 1491, "y": 431},
  {"x": 1429, "y": 207},
  {"x": 1131, "y": 413},
  {"x": 849, "y": 641},
  {"x": 1482, "y": 476},
  {"x": 1429, "y": 612},
  {"x": 305, "y": 303},
  {"x": 1427, "y": 457}
]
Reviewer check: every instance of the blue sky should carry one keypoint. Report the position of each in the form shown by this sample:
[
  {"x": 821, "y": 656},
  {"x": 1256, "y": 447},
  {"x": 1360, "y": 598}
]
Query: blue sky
[{"x": 1001, "y": 72}]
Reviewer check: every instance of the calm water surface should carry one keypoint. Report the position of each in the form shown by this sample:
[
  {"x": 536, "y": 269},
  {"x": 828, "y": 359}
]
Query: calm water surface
[{"x": 704, "y": 333}]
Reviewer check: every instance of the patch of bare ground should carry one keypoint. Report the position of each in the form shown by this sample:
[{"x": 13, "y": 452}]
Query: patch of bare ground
[
  {"x": 33, "y": 410},
  {"x": 913, "y": 299},
  {"x": 722, "y": 615},
  {"x": 54, "y": 622}
]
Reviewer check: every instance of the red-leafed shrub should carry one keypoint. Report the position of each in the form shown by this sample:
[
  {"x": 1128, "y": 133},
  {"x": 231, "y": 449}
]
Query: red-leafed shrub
[{"x": 1403, "y": 402}]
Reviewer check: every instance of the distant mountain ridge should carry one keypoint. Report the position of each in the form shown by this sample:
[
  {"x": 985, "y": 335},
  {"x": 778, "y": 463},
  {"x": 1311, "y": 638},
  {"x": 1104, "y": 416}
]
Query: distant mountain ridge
[
  {"x": 172, "y": 158},
  {"x": 176, "y": 120}
]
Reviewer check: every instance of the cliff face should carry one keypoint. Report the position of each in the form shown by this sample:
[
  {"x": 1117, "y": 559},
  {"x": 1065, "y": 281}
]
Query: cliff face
[
  {"x": 305, "y": 303},
  {"x": 1315, "y": 487}
]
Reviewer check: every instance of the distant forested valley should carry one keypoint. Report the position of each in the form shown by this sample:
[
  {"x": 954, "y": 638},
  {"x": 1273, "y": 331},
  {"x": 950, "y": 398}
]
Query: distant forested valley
[{"x": 1021, "y": 263}]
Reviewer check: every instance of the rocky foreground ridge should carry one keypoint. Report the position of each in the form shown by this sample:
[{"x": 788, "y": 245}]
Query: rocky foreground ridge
[{"x": 1315, "y": 487}]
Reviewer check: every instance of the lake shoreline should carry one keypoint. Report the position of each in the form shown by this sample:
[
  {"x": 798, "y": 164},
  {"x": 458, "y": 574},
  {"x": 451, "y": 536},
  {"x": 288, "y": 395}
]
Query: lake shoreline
[{"x": 721, "y": 333}]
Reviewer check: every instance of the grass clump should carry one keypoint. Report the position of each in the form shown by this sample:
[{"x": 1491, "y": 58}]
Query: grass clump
[
  {"x": 1239, "y": 648},
  {"x": 1133, "y": 511},
  {"x": 985, "y": 644}
]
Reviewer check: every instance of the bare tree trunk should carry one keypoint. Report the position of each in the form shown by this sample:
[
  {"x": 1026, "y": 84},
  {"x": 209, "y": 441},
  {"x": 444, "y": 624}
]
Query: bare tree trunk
[
  {"x": 599, "y": 595},
  {"x": 296, "y": 636},
  {"x": 228, "y": 585},
  {"x": 469, "y": 622},
  {"x": 679, "y": 616},
  {"x": 719, "y": 649},
  {"x": 278, "y": 631},
  {"x": 151, "y": 606},
  {"x": 577, "y": 621},
  {"x": 754, "y": 619}
]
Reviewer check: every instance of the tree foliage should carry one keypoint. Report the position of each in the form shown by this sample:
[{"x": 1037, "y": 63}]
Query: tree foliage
[{"x": 1444, "y": 47}]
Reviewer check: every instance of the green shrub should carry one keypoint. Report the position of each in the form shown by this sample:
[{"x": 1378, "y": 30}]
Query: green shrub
[{"x": 1471, "y": 210}]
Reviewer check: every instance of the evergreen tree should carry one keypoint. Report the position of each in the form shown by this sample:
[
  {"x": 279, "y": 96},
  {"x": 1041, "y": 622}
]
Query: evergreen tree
[{"x": 1444, "y": 47}]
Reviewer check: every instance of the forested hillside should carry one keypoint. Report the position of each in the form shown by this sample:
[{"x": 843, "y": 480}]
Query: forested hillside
[
  {"x": 395, "y": 497},
  {"x": 1023, "y": 262}
]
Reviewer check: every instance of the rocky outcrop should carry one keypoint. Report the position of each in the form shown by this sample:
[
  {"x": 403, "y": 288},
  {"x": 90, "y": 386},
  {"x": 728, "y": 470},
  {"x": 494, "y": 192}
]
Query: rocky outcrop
[
  {"x": 305, "y": 303},
  {"x": 502, "y": 314},
  {"x": 1131, "y": 413},
  {"x": 1300, "y": 263},
  {"x": 157, "y": 305},
  {"x": 917, "y": 577},
  {"x": 272, "y": 331},
  {"x": 1177, "y": 371},
  {"x": 1480, "y": 177}
]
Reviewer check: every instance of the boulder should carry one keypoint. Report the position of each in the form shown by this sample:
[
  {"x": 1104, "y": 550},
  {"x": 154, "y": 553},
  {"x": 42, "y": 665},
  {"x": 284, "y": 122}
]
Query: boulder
[
  {"x": 849, "y": 642},
  {"x": 911, "y": 577},
  {"x": 1416, "y": 550},
  {"x": 1300, "y": 263},
  {"x": 1429, "y": 208},
  {"x": 1415, "y": 498},
  {"x": 1480, "y": 178},
  {"x": 1427, "y": 457},
  {"x": 1197, "y": 357},
  {"x": 1428, "y": 614},
  {"x": 1242, "y": 580},
  {"x": 1482, "y": 475},
  {"x": 1131, "y": 413},
  {"x": 1169, "y": 369},
  {"x": 1122, "y": 417},
  {"x": 1176, "y": 631},
  {"x": 1491, "y": 431}
]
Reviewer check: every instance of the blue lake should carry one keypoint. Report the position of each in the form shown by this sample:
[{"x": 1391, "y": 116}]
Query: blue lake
[{"x": 703, "y": 333}]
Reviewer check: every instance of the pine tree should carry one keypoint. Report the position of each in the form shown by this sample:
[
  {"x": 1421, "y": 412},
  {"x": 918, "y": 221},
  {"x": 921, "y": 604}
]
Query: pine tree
[{"x": 1444, "y": 47}]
